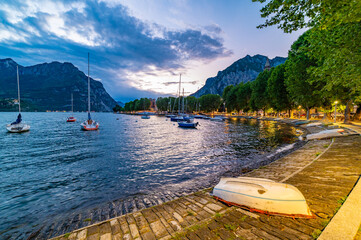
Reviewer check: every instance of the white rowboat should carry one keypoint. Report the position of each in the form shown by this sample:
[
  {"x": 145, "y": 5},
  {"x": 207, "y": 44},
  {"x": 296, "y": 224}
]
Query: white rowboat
[
  {"x": 326, "y": 134},
  {"x": 263, "y": 195}
]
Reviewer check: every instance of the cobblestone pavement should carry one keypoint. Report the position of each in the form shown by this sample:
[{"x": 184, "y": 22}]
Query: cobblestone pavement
[{"x": 325, "y": 184}]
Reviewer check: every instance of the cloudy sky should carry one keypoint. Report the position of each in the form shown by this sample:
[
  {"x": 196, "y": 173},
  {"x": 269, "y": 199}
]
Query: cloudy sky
[{"x": 138, "y": 48}]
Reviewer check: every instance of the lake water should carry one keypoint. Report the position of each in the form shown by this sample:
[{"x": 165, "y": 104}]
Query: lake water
[{"x": 56, "y": 176}]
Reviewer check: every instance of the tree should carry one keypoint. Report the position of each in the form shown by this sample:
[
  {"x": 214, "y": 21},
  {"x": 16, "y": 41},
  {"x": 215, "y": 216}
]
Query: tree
[
  {"x": 191, "y": 104},
  {"x": 302, "y": 90},
  {"x": 210, "y": 102},
  {"x": 244, "y": 94},
  {"x": 117, "y": 108},
  {"x": 277, "y": 91},
  {"x": 259, "y": 99},
  {"x": 334, "y": 40},
  {"x": 162, "y": 104}
]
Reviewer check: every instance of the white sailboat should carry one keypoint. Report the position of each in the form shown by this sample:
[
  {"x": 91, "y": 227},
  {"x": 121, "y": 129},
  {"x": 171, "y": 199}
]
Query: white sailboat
[
  {"x": 89, "y": 125},
  {"x": 72, "y": 118},
  {"x": 18, "y": 126}
]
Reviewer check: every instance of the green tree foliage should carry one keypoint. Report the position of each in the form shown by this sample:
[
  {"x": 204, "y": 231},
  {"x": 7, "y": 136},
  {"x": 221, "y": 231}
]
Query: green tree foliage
[
  {"x": 231, "y": 99},
  {"x": 117, "y": 108},
  {"x": 191, "y": 103},
  {"x": 276, "y": 89},
  {"x": 302, "y": 90},
  {"x": 259, "y": 99},
  {"x": 137, "y": 105},
  {"x": 244, "y": 94},
  {"x": 162, "y": 104},
  {"x": 210, "y": 102}
]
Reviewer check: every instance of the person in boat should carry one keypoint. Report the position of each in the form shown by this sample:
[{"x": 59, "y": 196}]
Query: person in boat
[
  {"x": 18, "y": 120},
  {"x": 90, "y": 121}
]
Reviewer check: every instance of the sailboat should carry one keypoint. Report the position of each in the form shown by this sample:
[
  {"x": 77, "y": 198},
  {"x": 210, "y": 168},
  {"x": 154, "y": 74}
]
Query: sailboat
[
  {"x": 89, "y": 125},
  {"x": 72, "y": 118},
  {"x": 18, "y": 126},
  {"x": 179, "y": 117},
  {"x": 187, "y": 122}
]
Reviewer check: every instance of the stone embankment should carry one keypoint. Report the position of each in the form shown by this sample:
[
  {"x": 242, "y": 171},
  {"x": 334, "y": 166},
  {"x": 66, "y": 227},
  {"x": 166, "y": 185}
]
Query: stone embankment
[{"x": 325, "y": 171}]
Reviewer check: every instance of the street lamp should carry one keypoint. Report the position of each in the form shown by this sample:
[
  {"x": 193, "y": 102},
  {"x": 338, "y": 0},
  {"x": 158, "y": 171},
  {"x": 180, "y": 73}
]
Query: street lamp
[{"x": 334, "y": 120}]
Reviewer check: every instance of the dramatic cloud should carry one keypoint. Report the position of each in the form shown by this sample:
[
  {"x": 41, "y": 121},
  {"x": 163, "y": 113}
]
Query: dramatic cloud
[{"x": 126, "y": 53}]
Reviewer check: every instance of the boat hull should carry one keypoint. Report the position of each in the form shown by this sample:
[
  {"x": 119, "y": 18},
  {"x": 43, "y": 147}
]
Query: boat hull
[
  {"x": 187, "y": 125},
  {"x": 18, "y": 128},
  {"x": 264, "y": 196},
  {"x": 89, "y": 127},
  {"x": 145, "y": 117},
  {"x": 326, "y": 134},
  {"x": 71, "y": 120}
]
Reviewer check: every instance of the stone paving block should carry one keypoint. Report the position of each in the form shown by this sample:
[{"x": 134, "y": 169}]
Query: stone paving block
[
  {"x": 192, "y": 235},
  {"x": 105, "y": 228},
  {"x": 93, "y": 229},
  {"x": 125, "y": 227},
  {"x": 158, "y": 229},
  {"x": 117, "y": 236},
  {"x": 106, "y": 236},
  {"x": 115, "y": 226},
  {"x": 224, "y": 234},
  {"x": 93, "y": 237},
  {"x": 148, "y": 236},
  {"x": 130, "y": 219},
  {"x": 82, "y": 234},
  {"x": 149, "y": 215},
  {"x": 141, "y": 221},
  {"x": 205, "y": 233},
  {"x": 175, "y": 225},
  {"x": 72, "y": 236},
  {"x": 127, "y": 236},
  {"x": 134, "y": 230},
  {"x": 209, "y": 210}
]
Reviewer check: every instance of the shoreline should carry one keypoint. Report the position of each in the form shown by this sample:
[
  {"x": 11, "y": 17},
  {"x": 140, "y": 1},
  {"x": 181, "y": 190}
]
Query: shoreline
[
  {"x": 263, "y": 162},
  {"x": 91, "y": 215}
]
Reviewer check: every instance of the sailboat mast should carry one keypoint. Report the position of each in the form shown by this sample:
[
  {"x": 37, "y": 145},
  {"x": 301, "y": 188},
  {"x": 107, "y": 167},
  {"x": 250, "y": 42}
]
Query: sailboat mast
[
  {"x": 183, "y": 102},
  {"x": 72, "y": 110},
  {"x": 88, "y": 87},
  {"x": 179, "y": 92},
  {"x": 17, "y": 74}
]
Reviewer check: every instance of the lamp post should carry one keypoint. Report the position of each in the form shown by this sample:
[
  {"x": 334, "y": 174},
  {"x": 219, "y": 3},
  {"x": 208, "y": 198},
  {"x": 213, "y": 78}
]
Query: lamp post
[{"x": 334, "y": 120}]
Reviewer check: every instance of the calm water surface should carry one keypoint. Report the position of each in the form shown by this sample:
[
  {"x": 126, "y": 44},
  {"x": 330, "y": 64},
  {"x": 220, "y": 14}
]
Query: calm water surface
[{"x": 56, "y": 173}]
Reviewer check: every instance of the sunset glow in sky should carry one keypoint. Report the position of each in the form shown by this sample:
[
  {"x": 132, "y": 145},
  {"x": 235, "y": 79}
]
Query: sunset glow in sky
[{"x": 139, "y": 48}]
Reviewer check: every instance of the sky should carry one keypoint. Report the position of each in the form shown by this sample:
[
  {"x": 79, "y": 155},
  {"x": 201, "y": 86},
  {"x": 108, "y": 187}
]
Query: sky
[{"x": 138, "y": 48}]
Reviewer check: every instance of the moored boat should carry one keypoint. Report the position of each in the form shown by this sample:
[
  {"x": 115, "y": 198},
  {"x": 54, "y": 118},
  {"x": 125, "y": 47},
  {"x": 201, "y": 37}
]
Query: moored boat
[
  {"x": 217, "y": 118},
  {"x": 72, "y": 118},
  {"x": 90, "y": 124},
  {"x": 18, "y": 126},
  {"x": 263, "y": 195},
  {"x": 188, "y": 124},
  {"x": 145, "y": 116},
  {"x": 326, "y": 134},
  {"x": 314, "y": 124}
]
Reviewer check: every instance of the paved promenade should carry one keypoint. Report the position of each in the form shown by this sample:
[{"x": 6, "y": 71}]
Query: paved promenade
[{"x": 325, "y": 171}]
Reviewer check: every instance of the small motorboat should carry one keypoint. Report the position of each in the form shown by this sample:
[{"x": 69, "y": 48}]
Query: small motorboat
[
  {"x": 71, "y": 119},
  {"x": 219, "y": 119},
  {"x": 326, "y": 134},
  {"x": 198, "y": 116},
  {"x": 146, "y": 116},
  {"x": 301, "y": 122},
  {"x": 177, "y": 118},
  {"x": 206, "y": 117},
  {"x": 188, "y": 124},
  {"x": 170, "y": 115},
  {"x": 263, "y": 196},
  {"x": 314, "y": 124}
]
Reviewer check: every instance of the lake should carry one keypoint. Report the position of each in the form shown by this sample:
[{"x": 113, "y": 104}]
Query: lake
[{"x": 57, "y": 178}]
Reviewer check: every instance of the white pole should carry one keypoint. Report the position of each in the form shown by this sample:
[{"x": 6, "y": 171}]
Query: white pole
[
  {"x": 72, "y": 110},
  {"x": 88, "y": 87},
  {"x": 17, "y": 73},
  {"x": 179, "y": 93}
]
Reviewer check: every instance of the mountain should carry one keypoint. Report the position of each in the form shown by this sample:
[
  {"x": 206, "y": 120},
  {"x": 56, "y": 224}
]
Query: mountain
[
  {"x": 243, "y": 70},
  {"x": 48, "y": 86}
]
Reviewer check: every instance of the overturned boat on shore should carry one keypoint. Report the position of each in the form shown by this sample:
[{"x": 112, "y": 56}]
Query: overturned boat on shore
[
  {"x": 338, "y": 132},
  {"x": 263, "y": 196}
]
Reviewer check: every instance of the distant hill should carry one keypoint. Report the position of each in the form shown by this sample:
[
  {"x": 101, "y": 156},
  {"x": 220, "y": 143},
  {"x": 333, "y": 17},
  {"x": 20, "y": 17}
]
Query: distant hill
[
  {"x": 243, "y": 70},
  {"x": 48, "y": 86}
]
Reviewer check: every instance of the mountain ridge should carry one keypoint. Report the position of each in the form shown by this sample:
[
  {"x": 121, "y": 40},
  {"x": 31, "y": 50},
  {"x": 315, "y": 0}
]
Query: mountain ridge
[
  {"x": 243, "y": 70},
  {"x": 48, "y": 86}
]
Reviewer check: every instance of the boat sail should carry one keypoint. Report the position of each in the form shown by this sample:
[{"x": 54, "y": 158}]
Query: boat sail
[
  {"x": 72, "y": 118},
  {"x": 89, "y": 125},
  {"x": 18, "y": 126}
]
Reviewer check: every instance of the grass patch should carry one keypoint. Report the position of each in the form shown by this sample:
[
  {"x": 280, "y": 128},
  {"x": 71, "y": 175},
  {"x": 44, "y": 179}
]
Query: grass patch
[
  {"x": 325, "y": 222},
  {"x": 243, "y": 218},
  {"x": 316, "y": 233},
  {"x": 66, "y": 235},
  {"x": 230, "y": 227},
  {"x": 87, "y": 220},
  {"x": 218, "y": 215},
  {"x": 262, "y": 167},
  {"x": 318, "y": 154},
  {"x": 340, "y": 202},
  {"x": 189, "y": 213},
  {"x": 325, "y": 146}
]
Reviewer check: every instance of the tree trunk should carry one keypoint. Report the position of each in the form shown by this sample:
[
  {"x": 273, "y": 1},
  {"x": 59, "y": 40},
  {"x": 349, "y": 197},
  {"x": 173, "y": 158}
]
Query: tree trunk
[
  {"x": 347, "y": 112},
  {"x": 308, "y": 114},
  {"x": 289, "y": 113}
]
